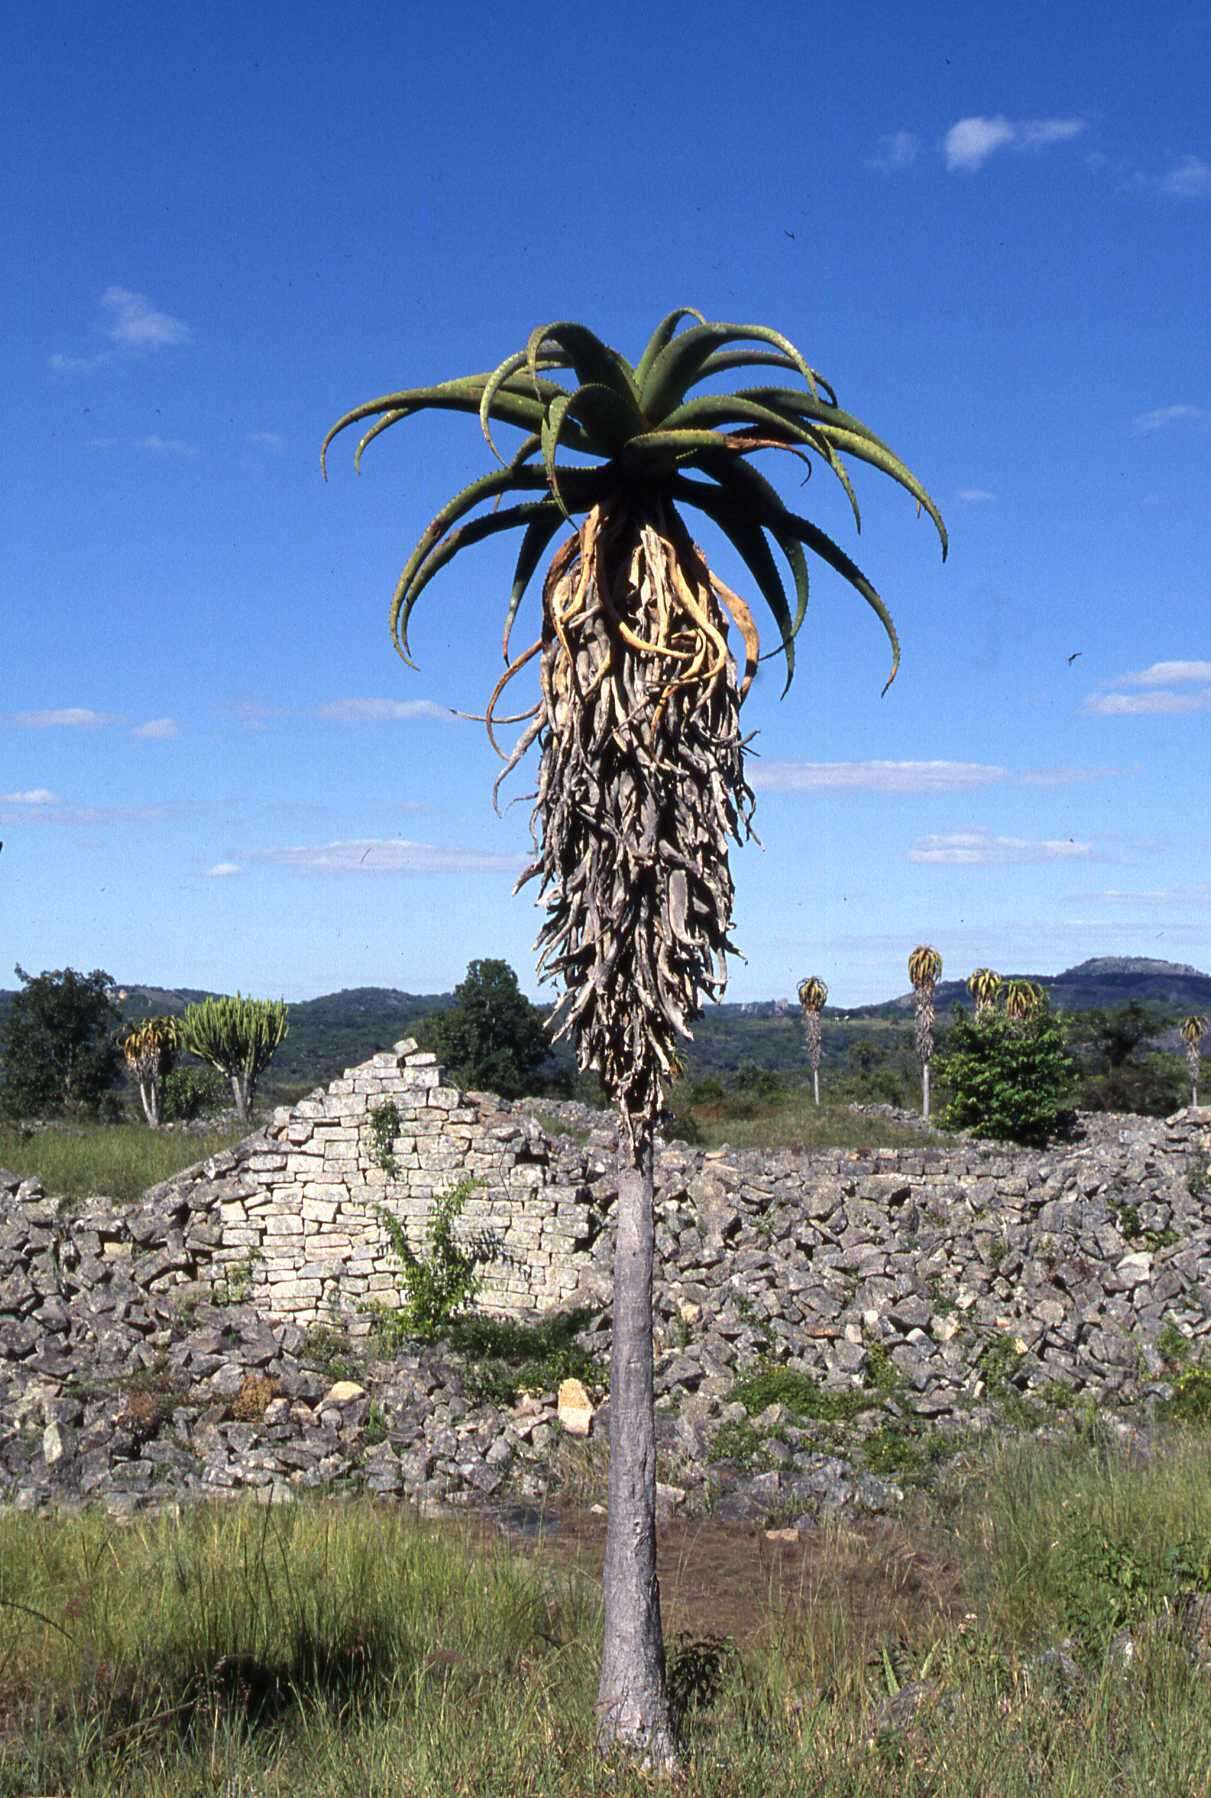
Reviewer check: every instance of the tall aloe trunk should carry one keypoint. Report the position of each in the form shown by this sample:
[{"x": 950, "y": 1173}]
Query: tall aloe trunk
[{"x": 632, "y": 1701}]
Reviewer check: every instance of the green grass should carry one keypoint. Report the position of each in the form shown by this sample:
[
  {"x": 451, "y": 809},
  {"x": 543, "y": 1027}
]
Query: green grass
[
  {"x": 119, "y": 1161},
  {"x": 347, "y": 1649},
  {"x": 791, "y": 1121}
]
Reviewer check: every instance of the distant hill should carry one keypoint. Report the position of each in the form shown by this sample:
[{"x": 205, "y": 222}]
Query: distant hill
[
  {"x": 336, "y": 1031},
  {"x": 1102, "y": 981}
]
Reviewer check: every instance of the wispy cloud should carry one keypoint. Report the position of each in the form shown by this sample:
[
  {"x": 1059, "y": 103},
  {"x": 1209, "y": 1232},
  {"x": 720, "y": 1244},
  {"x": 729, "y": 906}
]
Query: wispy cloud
[
  {"x": 83, "y": 814},
  {"x": 266, "y": 440},
  {"x": 905, "y": 777},
  {"x": 897, "y": 150},
  {"x": 975, "y": 496},
  {"x": 155, "y": 445},
  {"x": 135, "y": 323},
  {"x": 32, "y": 796},
  {"x": 982, "y": 849},
  {"x": 1189, "y": 179},
  {"x": 1157, "y": 899},
  {"x": 71, "y": 717},
  {"x": 379, "y": 711},
  {"x": 1162, "y": 416},
  {"x": 390, "y": 855},
  {"x": 1137, "y": 705},
  {"x": 1162, "y": 674},
  {"x": 969, "y": 143},
  {"x": 132, "y": 326},
  {"x": 873, "y": 777},
  {"x": 223, "y": 870},
  {"x": 157, "y": 730}
]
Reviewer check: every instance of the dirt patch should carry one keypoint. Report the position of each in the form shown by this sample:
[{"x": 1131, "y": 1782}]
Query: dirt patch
[{"x": 877, "y": 1579}]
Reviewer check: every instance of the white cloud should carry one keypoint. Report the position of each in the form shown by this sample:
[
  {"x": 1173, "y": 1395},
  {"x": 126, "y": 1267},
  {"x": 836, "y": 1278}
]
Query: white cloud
[
  {"x": 875, "y": 777},
  {"x": 84, "y": 814},
  {"x": 1161, "y": 416},
  {"x": 377, "y": 711},
  {"x": 269, "y": 440},
  {"x": 165, "y": 446},
  {"x": 223, "y": 870},
  {"x": 135, "y": 323},
  {"x": 982, "y": 849},
  {"x": 1189, "y": 179},
  {"x": 1134, "y": 705},
  {"x": 132, "y": 325},
  {"x": 391, "y": 855},
  {"x": 72, "y": 717},
  {"x": 32, "y": 796},
  {"x": 969, "y": 143},
  {"x": 897, "y": 150},
  {"x": 1064, "y": 777},
  {"x": 1162, "y": 674},
  {"x": 975, "y": 496},
  {"x": 159, "y": 730}
]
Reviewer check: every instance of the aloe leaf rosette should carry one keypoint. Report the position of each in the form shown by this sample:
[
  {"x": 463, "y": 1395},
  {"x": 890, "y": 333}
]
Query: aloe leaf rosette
[{"x": 644, "y": 655}]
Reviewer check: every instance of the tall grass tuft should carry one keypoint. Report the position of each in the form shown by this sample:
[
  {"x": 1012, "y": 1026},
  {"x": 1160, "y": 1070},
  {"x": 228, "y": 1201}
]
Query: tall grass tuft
[{"x": 117, "y": 1161}]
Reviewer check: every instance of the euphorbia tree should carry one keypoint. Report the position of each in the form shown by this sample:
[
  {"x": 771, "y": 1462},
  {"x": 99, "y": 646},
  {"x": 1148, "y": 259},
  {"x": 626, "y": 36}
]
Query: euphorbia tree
[
  {"x": 924, "y": 967},
  {"x": 641, "y": 779},
  {"x": 150, "y": 1049},
  {"x": 983, "y": 984},
  {"x": 813, "y": 997},
  {"x": 237, "y": 1036},
  {"x": 1193, "y": 1030}
]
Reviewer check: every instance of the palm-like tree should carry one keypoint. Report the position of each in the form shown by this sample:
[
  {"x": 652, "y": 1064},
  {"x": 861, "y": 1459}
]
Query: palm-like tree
[
  {"x": 1023, "y": 1000},
  {"x": 1193, "y": 1030},
  {"x": 150, "y": 1049},
  {"x": 924, "y": 969},
  {"x": 983, "y": 984},
  {"x": 813, "y": 997},
  {"x": 641, "y": 779}
]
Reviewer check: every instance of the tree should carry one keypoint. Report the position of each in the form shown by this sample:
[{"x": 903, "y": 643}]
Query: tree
[
  {"x": 813, "y": 997},
  {"x": 239, "y": 1037},
  {"x": 641, "y": 780},
  {"x": 58, "y": 1043},
  {"x": 984, "y": 984},
  {"x": 492, "y": 1037},
  {"x": 150, "y": 1053},
  {"x": 924, "y": 969},
  {"x": 1023, "y": 1000},
  {"x": 1193, "y": 1030},
  {"x": 1008, "y": 1078}
]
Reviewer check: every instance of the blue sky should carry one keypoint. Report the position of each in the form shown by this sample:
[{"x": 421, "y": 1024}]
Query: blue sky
[{"x": 991, "y": 228}]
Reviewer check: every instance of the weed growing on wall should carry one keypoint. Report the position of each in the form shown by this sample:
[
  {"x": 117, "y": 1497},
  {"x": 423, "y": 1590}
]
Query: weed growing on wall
[
  {"x": 442, "y": 1282},
  {"x": 384, "y": 1128}
]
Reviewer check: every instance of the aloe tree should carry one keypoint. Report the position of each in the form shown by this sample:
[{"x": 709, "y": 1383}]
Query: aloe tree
[
  {"x": 150, "y": 1049},
  {"x": 1193, "y": 1031},
  {"x": 924, "y": 968},
  {"x": 983, "y": 984},
  {"x": 1023, "y": 999},
  {"x": 813, "y": 997},
  {"x": 237, "y": 1036},
  {"x": 641, "y": 779}
]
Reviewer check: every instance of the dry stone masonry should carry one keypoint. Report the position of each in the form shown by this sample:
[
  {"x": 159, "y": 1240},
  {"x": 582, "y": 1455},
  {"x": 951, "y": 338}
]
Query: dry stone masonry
[{"x": 214, "y": 1338}]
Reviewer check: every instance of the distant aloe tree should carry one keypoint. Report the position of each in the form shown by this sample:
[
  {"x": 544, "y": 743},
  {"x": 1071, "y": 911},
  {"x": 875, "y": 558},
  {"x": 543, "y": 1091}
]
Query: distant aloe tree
[
  {"x": 984, "y": 984},
  {"x": 813, "y": 997},
  {"x": 1023, "y": 999},
  {"x": 239, "y": 1037},
  {"x": 924, "y": 969},
  {"x": 150, "y": 1050},
  {"x": 1193, "y": 1030}
]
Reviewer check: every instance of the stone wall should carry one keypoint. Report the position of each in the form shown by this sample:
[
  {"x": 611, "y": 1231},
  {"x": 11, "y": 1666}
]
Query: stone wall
[{"x": 297, "y": 1207}]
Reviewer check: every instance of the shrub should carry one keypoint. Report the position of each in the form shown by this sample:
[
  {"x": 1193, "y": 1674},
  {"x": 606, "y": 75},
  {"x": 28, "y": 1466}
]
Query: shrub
[
  {"x": 190, "y": 1093},
  {"x": 441, "y": 1283},
  {"x": 1007, "y": 1078}
]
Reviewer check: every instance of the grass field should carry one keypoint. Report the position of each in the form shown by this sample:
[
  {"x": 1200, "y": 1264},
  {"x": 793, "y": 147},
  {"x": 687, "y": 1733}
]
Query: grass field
[
  {"x": 790, "y": 1120},
  {"x": 118, "y": 1160},
  {"x": 341, "y": 1648}
]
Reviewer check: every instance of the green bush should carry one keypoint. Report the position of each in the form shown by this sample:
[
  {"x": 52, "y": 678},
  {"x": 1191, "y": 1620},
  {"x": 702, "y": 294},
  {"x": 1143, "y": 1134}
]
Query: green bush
[
  {"x": 441, "y": 1283},
  {"x": 190, "y": 1093},
  {"x": 1007, "y": 1078}
]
